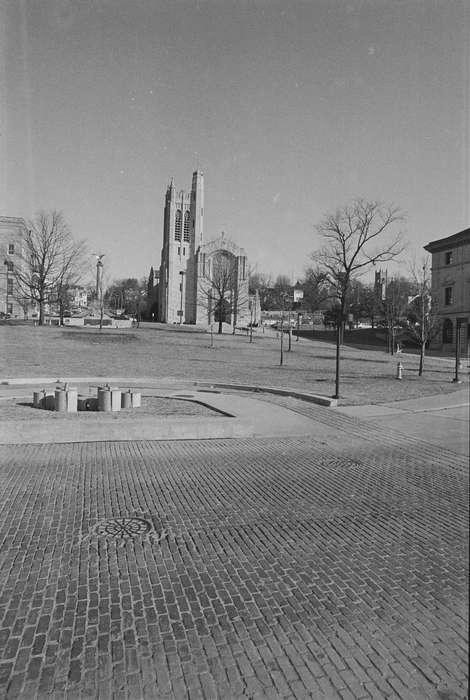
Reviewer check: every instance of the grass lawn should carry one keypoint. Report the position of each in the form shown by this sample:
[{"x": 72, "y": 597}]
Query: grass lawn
[{"x": 171, "y": 352}]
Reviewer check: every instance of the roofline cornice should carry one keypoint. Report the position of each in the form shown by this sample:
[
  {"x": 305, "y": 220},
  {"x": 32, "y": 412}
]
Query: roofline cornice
[{"x": 457, "y": 239}]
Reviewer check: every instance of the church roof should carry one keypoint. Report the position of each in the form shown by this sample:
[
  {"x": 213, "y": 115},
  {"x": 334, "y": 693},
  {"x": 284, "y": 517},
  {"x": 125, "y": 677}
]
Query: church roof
[{"x": 222, "y": 243}]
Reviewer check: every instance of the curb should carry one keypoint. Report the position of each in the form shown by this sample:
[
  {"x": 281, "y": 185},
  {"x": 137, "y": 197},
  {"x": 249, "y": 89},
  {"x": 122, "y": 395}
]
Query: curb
[{"x": 302, "y": 395}]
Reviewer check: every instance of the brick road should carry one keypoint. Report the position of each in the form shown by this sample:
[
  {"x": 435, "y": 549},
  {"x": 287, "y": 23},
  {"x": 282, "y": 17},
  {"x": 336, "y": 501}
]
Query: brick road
[{"x": 259, "y": 568}]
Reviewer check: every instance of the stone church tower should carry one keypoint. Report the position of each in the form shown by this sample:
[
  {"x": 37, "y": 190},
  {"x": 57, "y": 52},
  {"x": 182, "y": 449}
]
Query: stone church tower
[
  {"x": 199, "y": 282},
  {"x": 182, "y": 234}
]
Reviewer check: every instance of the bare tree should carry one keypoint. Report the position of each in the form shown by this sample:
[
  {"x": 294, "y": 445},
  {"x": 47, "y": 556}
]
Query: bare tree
[
  {"x": 395, "y": 308},
  {"x": 217, "y": 290},
  {"x": 316, "y": 288},
  {"x": 353, "y": 238},
  {"x": 259, "y": 282},
  {"x": 423, "y": 317},
  {"x": 51, "y": 261}
]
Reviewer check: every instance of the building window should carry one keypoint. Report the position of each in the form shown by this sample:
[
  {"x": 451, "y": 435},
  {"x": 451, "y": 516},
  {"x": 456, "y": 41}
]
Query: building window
[
  {"x": 449, "y": 296},
  {"x": 178, "y": 225},
  {"x": 9, "y": 265},
  {"x": 11, "y": 249},
  {"x": 9, "y": 308},
  {"x": 186, "y": 232},
  {"x": 448, "y": 257},
  {"x": 10, "y": 286},
  {"x": 447, "y": 331},
  {"x": 184, "y": 251}
]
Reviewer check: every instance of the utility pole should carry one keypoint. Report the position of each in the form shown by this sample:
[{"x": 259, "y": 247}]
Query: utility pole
[
  {"x": 282, "y": 340},
  {"x": 458, "y": 327},
  {"x": 338, "y": 349},
  {"x": 99, "y": 285}
]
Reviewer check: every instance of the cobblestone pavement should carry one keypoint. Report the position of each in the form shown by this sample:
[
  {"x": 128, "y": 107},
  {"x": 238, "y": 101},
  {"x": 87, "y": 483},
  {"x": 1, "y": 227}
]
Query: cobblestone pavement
[{"x": 245, "y": 568}]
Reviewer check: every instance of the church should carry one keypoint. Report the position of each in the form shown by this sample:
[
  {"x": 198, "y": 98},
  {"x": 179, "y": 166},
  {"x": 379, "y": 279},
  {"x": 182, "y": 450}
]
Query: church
[{"x": 199, "y": 282}]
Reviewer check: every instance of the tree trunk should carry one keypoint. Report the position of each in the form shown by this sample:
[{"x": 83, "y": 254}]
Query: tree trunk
[
  {"x": 41, "y": 312},
  {"x": 421, "y": 360},
  {"x": 338, "y": 351},
  {"x": 220, "y": 328},
  {"x": 61, "y": 312}
]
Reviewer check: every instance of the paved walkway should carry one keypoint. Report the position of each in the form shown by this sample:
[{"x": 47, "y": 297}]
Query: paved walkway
[
  {"x": 441, "y": 420},
  {"x": 327, "y": 565}
]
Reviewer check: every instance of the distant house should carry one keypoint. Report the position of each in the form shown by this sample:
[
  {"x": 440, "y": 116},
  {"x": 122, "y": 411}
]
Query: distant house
[
  {"x": 451, "y": 288},
  {"x": 297, "y": 293}
]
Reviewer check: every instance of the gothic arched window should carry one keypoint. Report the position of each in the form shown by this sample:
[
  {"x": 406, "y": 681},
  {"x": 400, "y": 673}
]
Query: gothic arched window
[
  {"x": 447, "y": 331},
  {"x": 186, "y": 233},
  {"x": 178, "y": 225}
]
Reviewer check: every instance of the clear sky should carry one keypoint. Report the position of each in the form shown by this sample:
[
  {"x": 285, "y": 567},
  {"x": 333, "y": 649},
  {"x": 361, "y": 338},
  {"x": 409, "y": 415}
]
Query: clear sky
[{"x": 289, "y": 107}]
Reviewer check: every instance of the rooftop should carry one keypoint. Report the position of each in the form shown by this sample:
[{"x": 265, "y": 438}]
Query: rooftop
[{"x": 457, "y": 239}]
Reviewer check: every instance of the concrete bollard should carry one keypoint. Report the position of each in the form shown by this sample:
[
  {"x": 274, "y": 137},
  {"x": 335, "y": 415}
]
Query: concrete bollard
[
  {"x": 115, "y": 399},
  {"x": 72, "y": 399},
  {"x": 399, "y": 370},
  {"x": 136, "y": 399},
  {"x": 126, "y": 399},
  {"x": 48, "y": 402},
  {"x": 104, "y": 398},
  {"x": 60, "y": 400}
]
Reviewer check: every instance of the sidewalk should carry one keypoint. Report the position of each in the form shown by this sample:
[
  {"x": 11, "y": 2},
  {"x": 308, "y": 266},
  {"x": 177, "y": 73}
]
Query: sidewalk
[{"x": 441, "y": 420}]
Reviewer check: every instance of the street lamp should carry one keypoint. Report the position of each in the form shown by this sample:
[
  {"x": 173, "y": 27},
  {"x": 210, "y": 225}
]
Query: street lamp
[
  {"x": 140, "y": 296},
  {"x": 99, "y": 285},
  {"x": 182, "y": 273}
]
